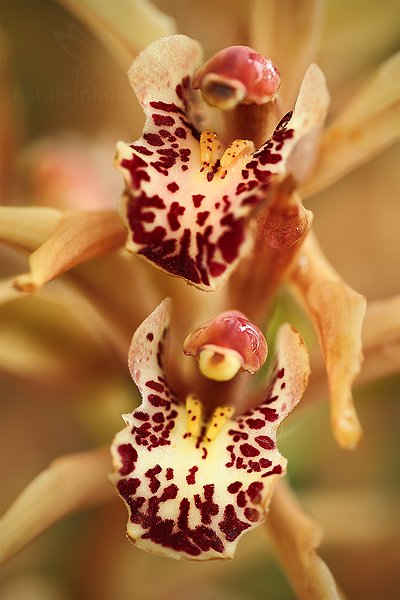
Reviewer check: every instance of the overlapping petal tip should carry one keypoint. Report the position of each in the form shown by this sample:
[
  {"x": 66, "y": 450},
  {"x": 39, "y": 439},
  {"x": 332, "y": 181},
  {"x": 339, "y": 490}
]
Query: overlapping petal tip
[
  {"x": 286, "y": 220},
  {"x": 192, "y": 488},
  {"x": 187, "y": 202}
]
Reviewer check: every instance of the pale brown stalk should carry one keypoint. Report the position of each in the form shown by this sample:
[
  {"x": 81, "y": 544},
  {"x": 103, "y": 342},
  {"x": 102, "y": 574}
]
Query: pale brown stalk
[{"x": 296, "y": 538}]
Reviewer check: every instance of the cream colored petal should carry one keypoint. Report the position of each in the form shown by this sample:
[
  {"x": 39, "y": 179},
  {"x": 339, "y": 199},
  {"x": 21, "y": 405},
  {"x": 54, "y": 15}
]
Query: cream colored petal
[
  {"x": 125, "y": 27},
  {"x": 169, "y": 231},
  {"x": 288, "y": 32},
  {"x": 337, "y": 313},
  {"x": 311, "y": 108},
  {"x": 27, "y": 228},
  {"x": 78, "y": 237},
  {"x": 296, "y": 538},
  {"x": 166, "y": 458},
  {"x": 366, "y": 126},
  {"x": 70, "y": 483}
]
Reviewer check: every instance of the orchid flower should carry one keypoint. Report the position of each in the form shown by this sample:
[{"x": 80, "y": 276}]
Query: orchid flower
[
  {"x": 214, "y": 191},
  {"x": 193, "y": 485},
  {"x": 189, "y": 193}
]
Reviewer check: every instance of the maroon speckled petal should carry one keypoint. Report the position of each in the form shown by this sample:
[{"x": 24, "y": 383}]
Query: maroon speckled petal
[
  {"x": 189, "y": 497},
  {"x": 187, "y": 213}
]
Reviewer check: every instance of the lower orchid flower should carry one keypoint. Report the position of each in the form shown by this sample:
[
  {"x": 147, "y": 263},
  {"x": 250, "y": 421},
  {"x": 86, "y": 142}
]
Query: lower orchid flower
[{"x": 194, "y": 482}]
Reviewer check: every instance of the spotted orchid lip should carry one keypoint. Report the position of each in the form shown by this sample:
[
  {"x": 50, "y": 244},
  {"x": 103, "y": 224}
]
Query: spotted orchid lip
[
  {"x": 191, "y": 488},
  {"x": 187, "y": 203}
]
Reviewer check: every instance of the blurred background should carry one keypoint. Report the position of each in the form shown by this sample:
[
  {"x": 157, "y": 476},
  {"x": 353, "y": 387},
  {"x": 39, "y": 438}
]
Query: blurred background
[{"x": 63, "y": 95}]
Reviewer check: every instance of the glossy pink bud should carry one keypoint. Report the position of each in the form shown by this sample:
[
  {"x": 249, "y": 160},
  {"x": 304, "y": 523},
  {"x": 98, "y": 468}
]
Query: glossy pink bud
[
  {"x": 227, "y": 344},
  {"x": 237, "y": 75}
]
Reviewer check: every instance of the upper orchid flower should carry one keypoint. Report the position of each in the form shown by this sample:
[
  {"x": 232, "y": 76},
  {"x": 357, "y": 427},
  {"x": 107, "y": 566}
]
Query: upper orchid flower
[
  {"x": 190, "y": 190},
  {"x": 193, "y": 484}
]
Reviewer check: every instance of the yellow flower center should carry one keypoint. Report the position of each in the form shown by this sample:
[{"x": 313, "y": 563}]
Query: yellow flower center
[{"x": 194, "y": 410}]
